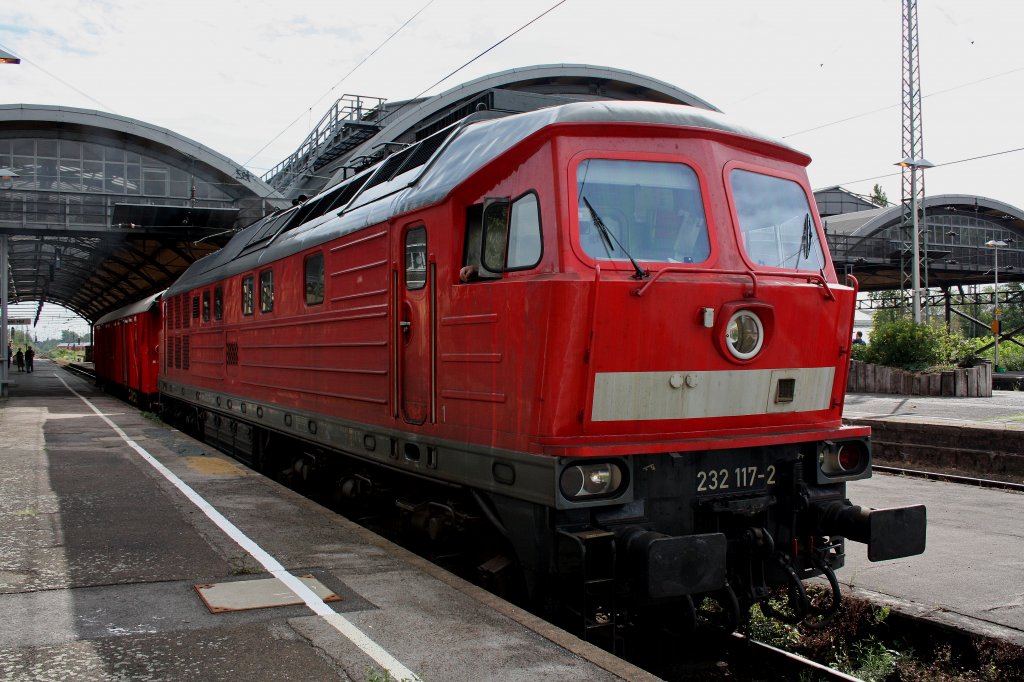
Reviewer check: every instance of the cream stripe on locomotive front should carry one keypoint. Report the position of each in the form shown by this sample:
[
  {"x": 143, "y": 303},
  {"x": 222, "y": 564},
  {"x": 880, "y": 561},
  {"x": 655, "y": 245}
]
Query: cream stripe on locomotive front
[{"x": 639, "y": 396}]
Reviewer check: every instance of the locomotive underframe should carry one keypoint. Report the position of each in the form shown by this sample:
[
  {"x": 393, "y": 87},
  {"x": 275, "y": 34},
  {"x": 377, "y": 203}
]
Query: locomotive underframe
[{"x": 668, "y": 540}]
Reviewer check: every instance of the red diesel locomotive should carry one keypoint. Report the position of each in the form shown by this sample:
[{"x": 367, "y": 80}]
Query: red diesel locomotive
[{"x": 610, "y": 331}]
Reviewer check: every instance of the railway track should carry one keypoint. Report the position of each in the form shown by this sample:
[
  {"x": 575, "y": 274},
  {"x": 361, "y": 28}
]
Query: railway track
[
  {"x": 950, "y": 478},
  {"x": 78, "y": 370},
  {"x": 785, "y": 665}
]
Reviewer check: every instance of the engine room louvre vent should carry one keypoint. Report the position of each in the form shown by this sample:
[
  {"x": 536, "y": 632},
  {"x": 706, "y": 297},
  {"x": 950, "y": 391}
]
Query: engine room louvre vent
[
  {"x": 232, "y": 353},
  {"x": 177, "y": 352},
  {"x": 184, "y": 351},
  {"x": 785, "y": 390},
  {"x": 195, "y": 307}
]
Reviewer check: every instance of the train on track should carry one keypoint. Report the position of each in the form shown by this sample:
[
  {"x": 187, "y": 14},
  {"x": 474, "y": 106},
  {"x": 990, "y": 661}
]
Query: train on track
[{"x": 607, "y": 336}]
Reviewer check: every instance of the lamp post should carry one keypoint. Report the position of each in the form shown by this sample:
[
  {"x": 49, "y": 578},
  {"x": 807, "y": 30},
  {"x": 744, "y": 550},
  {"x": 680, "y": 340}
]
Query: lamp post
[
  {"x": 995, "y": 245},
  {"x": 915, "y": 165}
]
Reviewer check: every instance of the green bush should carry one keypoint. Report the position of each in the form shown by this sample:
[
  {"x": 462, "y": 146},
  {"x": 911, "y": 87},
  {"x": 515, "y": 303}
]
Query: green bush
[
  {"x": 1011, "y": 356},
  {"x": 901, "y": 343},
  {"x": 860, "y": 352}
]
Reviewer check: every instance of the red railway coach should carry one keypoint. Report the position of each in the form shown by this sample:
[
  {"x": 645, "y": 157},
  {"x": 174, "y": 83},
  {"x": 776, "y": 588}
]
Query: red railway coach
[
  {"x": 126, "y": 353},
  {"x": 609, "y": 330}
]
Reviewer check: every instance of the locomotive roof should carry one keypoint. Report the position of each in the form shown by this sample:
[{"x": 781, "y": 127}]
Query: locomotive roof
[
  {"x": 128, "y": 310},
  {"x": 455, "y": 154}
]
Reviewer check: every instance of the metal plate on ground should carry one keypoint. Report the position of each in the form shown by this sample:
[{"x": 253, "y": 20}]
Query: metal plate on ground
[{"x": 243, "y": 595}]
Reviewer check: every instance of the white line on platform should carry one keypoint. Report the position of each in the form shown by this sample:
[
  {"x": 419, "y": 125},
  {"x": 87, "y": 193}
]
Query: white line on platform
[{"x": 272, "y": 565}]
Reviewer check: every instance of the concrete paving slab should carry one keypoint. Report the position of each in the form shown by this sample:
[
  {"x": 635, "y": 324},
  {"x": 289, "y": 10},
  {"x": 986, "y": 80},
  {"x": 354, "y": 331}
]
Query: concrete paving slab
[
  {"x": 1005, "y": 409},
  {"x": 972, "y": 572},
  {"x": 100, "y": 553}
]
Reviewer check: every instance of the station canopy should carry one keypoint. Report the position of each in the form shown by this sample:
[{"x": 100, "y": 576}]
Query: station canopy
[
  {"x": 874, "y": 244},
  {"x": 101, "y": 210}
]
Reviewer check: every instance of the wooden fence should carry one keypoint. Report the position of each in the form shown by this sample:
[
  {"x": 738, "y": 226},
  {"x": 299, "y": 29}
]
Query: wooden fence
[{"x": 970, "y": 382}]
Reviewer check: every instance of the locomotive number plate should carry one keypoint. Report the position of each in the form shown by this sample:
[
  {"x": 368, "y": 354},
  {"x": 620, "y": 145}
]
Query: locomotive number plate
[{"x": 735, "y": 479}]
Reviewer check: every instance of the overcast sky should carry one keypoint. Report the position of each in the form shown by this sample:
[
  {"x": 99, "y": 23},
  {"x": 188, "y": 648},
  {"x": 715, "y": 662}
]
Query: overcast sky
[{"x": 235, "y": 75}]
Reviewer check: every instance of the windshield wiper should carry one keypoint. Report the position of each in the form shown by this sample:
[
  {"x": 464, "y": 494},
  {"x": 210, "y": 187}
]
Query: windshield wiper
[
  {"x": 607, "y": 237},
  {"x": 805, "y": 239}
]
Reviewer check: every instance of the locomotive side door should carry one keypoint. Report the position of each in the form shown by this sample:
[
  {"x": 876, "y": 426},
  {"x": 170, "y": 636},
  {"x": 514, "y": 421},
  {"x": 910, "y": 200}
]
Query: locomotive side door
[{"x": 415, "y": 333}]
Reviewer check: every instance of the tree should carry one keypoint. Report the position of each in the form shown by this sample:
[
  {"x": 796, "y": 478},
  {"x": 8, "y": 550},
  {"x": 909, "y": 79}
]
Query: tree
[
  {"x": 878, "y": 197},
  {"x": 68, "y": 336}
]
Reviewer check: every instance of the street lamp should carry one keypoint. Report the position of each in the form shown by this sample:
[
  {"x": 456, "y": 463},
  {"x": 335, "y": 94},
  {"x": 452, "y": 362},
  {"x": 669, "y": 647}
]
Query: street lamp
[
  {"x": 995, "y": 245},
  {"x": 915, "y": 165}
]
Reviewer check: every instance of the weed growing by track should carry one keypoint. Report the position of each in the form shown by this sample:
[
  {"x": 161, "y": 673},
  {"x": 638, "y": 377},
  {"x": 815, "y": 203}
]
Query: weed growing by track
[{"x": 876, "y": 645}]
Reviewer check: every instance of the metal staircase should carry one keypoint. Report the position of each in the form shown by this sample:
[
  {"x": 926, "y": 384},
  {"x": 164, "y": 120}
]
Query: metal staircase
[{"x": 351, "y": 121}]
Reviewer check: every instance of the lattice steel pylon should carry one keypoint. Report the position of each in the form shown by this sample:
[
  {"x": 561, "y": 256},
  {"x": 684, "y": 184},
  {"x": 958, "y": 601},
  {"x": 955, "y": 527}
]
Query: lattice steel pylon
[{"x": 915, "y": 262}]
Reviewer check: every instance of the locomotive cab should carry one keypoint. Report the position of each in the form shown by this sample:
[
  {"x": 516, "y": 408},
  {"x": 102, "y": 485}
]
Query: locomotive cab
[{"x": 693, "y": 381}]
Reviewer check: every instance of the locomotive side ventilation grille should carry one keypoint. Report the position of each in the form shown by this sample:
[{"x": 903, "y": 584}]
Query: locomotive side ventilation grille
[
  {"x": 232, "y": 353},
  {"x": 184, "y": 352},
  {"x": 195, "y": 307},
  {"x": 177, "y": 352}
]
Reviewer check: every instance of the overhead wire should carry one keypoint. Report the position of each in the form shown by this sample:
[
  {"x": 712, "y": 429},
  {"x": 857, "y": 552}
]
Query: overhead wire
[
  {"x": 513, "y": 33},
  {"x": 60, "y": 80},
  {"x": 343, "y": 79},
  {"x": 938, "y": 165},
  {"x": 895, "y": 106}
]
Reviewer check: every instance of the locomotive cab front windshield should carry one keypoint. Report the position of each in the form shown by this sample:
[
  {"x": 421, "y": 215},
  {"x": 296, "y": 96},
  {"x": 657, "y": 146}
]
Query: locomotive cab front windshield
[
  {"x": 648, "y": 210},
  {"x": 775, "y": 222}
]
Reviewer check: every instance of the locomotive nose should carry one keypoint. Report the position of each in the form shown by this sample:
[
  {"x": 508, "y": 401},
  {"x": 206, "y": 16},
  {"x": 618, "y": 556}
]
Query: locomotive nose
[{"x": 888, "y": 533}]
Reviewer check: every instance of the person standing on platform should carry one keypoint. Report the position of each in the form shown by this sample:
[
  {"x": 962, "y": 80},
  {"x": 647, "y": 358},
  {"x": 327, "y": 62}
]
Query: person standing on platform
[
  {"x": 19, "y": 360},
  {"x": 29, "y": 356}
]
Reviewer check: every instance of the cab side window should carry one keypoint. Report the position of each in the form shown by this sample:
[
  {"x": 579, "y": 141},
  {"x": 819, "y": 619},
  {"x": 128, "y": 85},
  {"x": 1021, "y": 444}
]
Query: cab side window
[
  {"x": 248, "y": 295},
  {"x": 218, "y": 303},
  {"x": 416, "y": 258},
  {"x": 206, "y": 306},
  {"x": 267, "y": 291},
  {"x": 314, "y": 274},
  {"x": 502, "y": 236},
  {"x": 524, "y": 242}
]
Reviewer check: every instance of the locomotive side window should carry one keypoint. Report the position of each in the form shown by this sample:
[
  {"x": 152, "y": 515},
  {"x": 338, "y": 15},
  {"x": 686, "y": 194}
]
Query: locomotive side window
[
  {"x": 267, "y": 291},
  {"x": 218, "y": 303},
  {"x": 511, "y": 234},
  {"x": 248, "y": 295},
  {"x": 650, "y": 210},
  {"x": 206, "y": 306},
  {"x": 472, "y": 269},
  {"x": 314, "y": 279},
  {"x": 416, "y": 258},
  {"x": 775, "y": 222},
  {"x": 513, "y": 242}
]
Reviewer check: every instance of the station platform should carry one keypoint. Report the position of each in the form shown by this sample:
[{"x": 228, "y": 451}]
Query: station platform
[
  {"x": 128, "y": 550},
  {"x": 971, "y": 576}
]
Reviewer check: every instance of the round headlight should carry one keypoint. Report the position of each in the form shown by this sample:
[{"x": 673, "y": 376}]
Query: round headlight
[
  {"x": 744, "y": 335},
  {"x": 591, "y": 480}
]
